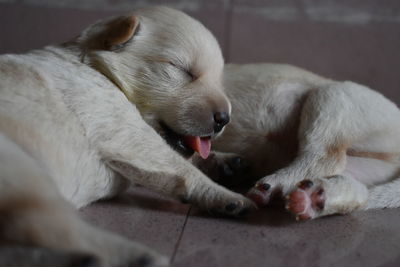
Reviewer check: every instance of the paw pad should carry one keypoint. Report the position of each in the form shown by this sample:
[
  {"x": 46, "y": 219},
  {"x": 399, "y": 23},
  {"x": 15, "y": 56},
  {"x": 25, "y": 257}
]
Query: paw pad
[{"x": 307, "y": 201}]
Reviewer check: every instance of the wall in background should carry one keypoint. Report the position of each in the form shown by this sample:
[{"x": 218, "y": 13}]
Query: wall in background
[{"x": 341, "y": 39}]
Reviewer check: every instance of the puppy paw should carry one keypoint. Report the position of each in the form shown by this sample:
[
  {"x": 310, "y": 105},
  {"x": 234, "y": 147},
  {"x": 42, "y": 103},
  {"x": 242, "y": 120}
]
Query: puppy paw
[
  {"x": 232, "y": 170},
  {"x": 123, "y": 253},
  {"x": 261, "y": 194},
  {"x": 219, "y": 200},
  {"x": 270, "y": 187},
  {"x": 307, "y": 201},
  {"x": 228, "y": 169},
  {"x": 237, "y": 206}
]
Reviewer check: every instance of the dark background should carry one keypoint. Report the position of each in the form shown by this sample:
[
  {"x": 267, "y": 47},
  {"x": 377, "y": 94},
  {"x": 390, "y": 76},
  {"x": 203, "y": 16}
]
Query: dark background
[{"x": 340, "y": 39}]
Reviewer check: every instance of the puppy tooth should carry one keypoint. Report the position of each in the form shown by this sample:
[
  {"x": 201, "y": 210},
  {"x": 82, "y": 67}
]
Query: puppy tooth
[{"x": 297, "y": 218}]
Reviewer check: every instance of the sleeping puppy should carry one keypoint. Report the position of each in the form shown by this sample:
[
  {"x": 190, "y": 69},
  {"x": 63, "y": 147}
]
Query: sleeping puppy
[
  {"x": 329, "y": 147},
  {"x": 81, "y": 120}
]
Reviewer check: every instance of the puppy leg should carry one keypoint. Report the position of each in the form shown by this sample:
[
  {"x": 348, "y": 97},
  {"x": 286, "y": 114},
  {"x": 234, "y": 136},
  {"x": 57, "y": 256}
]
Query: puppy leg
[
  {"x": 338, "y": 194},
  {"x": 333, "y": 120},
  {"x": 53, "y": 224},
  {"x": 228, "y": 169},
  {"x": 384, "y": 196},
  {"x": 184, "y": 182},
  {"x": 138, "y": 153},
  {"x": 348, "y": 191},
  {"x": 32, "y": 212}
]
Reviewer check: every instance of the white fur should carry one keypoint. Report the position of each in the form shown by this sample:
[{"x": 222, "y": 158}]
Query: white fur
[
  {"x": 86, "y": 116},
  {"x": 293, "y": 125}
]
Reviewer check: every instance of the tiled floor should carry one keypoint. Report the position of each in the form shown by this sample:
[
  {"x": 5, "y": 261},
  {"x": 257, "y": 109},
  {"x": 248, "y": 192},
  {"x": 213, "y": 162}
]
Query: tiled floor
[{"x": 268, "y": 237}]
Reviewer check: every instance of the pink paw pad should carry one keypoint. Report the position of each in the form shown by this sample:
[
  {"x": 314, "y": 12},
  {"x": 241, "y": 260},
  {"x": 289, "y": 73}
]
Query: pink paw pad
[
  {"x": 260, "y": 194},
  {"x": 306, "y": 201}
]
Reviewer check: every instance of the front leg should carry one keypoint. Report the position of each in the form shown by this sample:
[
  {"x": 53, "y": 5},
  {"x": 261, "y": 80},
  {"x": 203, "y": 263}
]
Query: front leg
[
  {"x": 130, "y": 147},
  {"x": 188, "y": 185},
  {"x": 137, "y": 152}
]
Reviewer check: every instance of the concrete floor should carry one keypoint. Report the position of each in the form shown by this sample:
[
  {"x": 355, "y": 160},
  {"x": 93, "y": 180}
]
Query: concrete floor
[{"x": 268, "y": 237}]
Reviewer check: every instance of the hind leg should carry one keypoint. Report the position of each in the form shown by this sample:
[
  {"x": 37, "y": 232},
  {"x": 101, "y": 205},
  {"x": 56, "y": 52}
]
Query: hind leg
[
  {"x": 384, "y": 196},
  {"x": 335, "y": 195},
  {"x": 32, "y": 212},
  {"x": 334, "y": 120},
  {"x": 348, "y": 191}
]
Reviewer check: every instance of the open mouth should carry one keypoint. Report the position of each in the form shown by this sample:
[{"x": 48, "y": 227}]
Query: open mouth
[{"x": 186, "y": 145}]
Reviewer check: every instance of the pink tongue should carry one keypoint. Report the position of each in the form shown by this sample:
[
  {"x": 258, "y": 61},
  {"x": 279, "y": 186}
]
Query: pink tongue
[{"x": 201, "y": 145}]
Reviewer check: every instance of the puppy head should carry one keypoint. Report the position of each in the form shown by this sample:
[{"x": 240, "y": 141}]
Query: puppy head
[{"x": 170, "y": 66}]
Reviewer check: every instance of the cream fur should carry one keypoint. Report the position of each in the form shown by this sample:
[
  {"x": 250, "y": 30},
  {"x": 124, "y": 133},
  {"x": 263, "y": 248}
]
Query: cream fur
[
  {"x": 291, "y": 125},
  {"x": 80, "y": 121}
]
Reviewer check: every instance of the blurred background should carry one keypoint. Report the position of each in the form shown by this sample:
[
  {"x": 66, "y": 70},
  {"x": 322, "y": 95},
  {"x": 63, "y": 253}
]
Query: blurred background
[{"x": 355, "y": 40}]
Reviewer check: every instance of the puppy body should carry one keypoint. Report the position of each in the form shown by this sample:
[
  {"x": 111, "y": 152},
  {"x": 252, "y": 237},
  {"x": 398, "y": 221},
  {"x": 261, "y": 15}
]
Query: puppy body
[
  {"x": 292, "y": 125},
  {"x": 54, "y": 134},
  {"x": 80, "y": 121}
]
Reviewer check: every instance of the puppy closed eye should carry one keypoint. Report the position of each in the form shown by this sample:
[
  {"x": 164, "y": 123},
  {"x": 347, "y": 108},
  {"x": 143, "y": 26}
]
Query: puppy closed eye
[{"x": 188, "y": 72}]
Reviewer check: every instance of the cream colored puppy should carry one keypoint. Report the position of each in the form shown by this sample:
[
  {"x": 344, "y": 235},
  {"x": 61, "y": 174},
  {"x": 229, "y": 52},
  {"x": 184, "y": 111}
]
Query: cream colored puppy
[
  {"x": 328, "y": 146},
  {"x": 79, "y": 121}
]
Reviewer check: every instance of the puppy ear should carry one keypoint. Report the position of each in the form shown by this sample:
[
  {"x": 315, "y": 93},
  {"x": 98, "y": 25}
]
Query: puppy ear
[{"x": 109, "y": 34}]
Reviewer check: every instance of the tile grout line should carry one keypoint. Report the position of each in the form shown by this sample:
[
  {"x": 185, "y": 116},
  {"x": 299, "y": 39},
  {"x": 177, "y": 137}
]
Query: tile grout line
[{"x": 176, "y": 247}]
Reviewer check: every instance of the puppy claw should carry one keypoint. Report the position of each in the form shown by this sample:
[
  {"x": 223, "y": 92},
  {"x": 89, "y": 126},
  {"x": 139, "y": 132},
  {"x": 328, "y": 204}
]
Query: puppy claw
[
  {"x": 305, "y": 184},
  {"x": 263, "y": 187},
  {"x": 260, "y": 198}
]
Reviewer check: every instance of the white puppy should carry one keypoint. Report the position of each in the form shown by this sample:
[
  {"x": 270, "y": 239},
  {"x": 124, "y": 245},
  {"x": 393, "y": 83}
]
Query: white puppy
[
  {"x": 329, "y": 147},
  {"x": 79, "y": 121}
]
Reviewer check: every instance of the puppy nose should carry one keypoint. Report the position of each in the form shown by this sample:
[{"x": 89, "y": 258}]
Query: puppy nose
[{"x": 220, "y": 120}]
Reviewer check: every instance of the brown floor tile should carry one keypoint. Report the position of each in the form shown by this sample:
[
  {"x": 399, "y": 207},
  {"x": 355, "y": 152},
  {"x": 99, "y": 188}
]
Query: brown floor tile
[
  {"x": 24, "y": 27},
  {"x": 39, "y": 23},
  {"x": 142, "y": 216},
  {"x": 272, "y": 238},
  {"x": 346, "y": 42}
]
